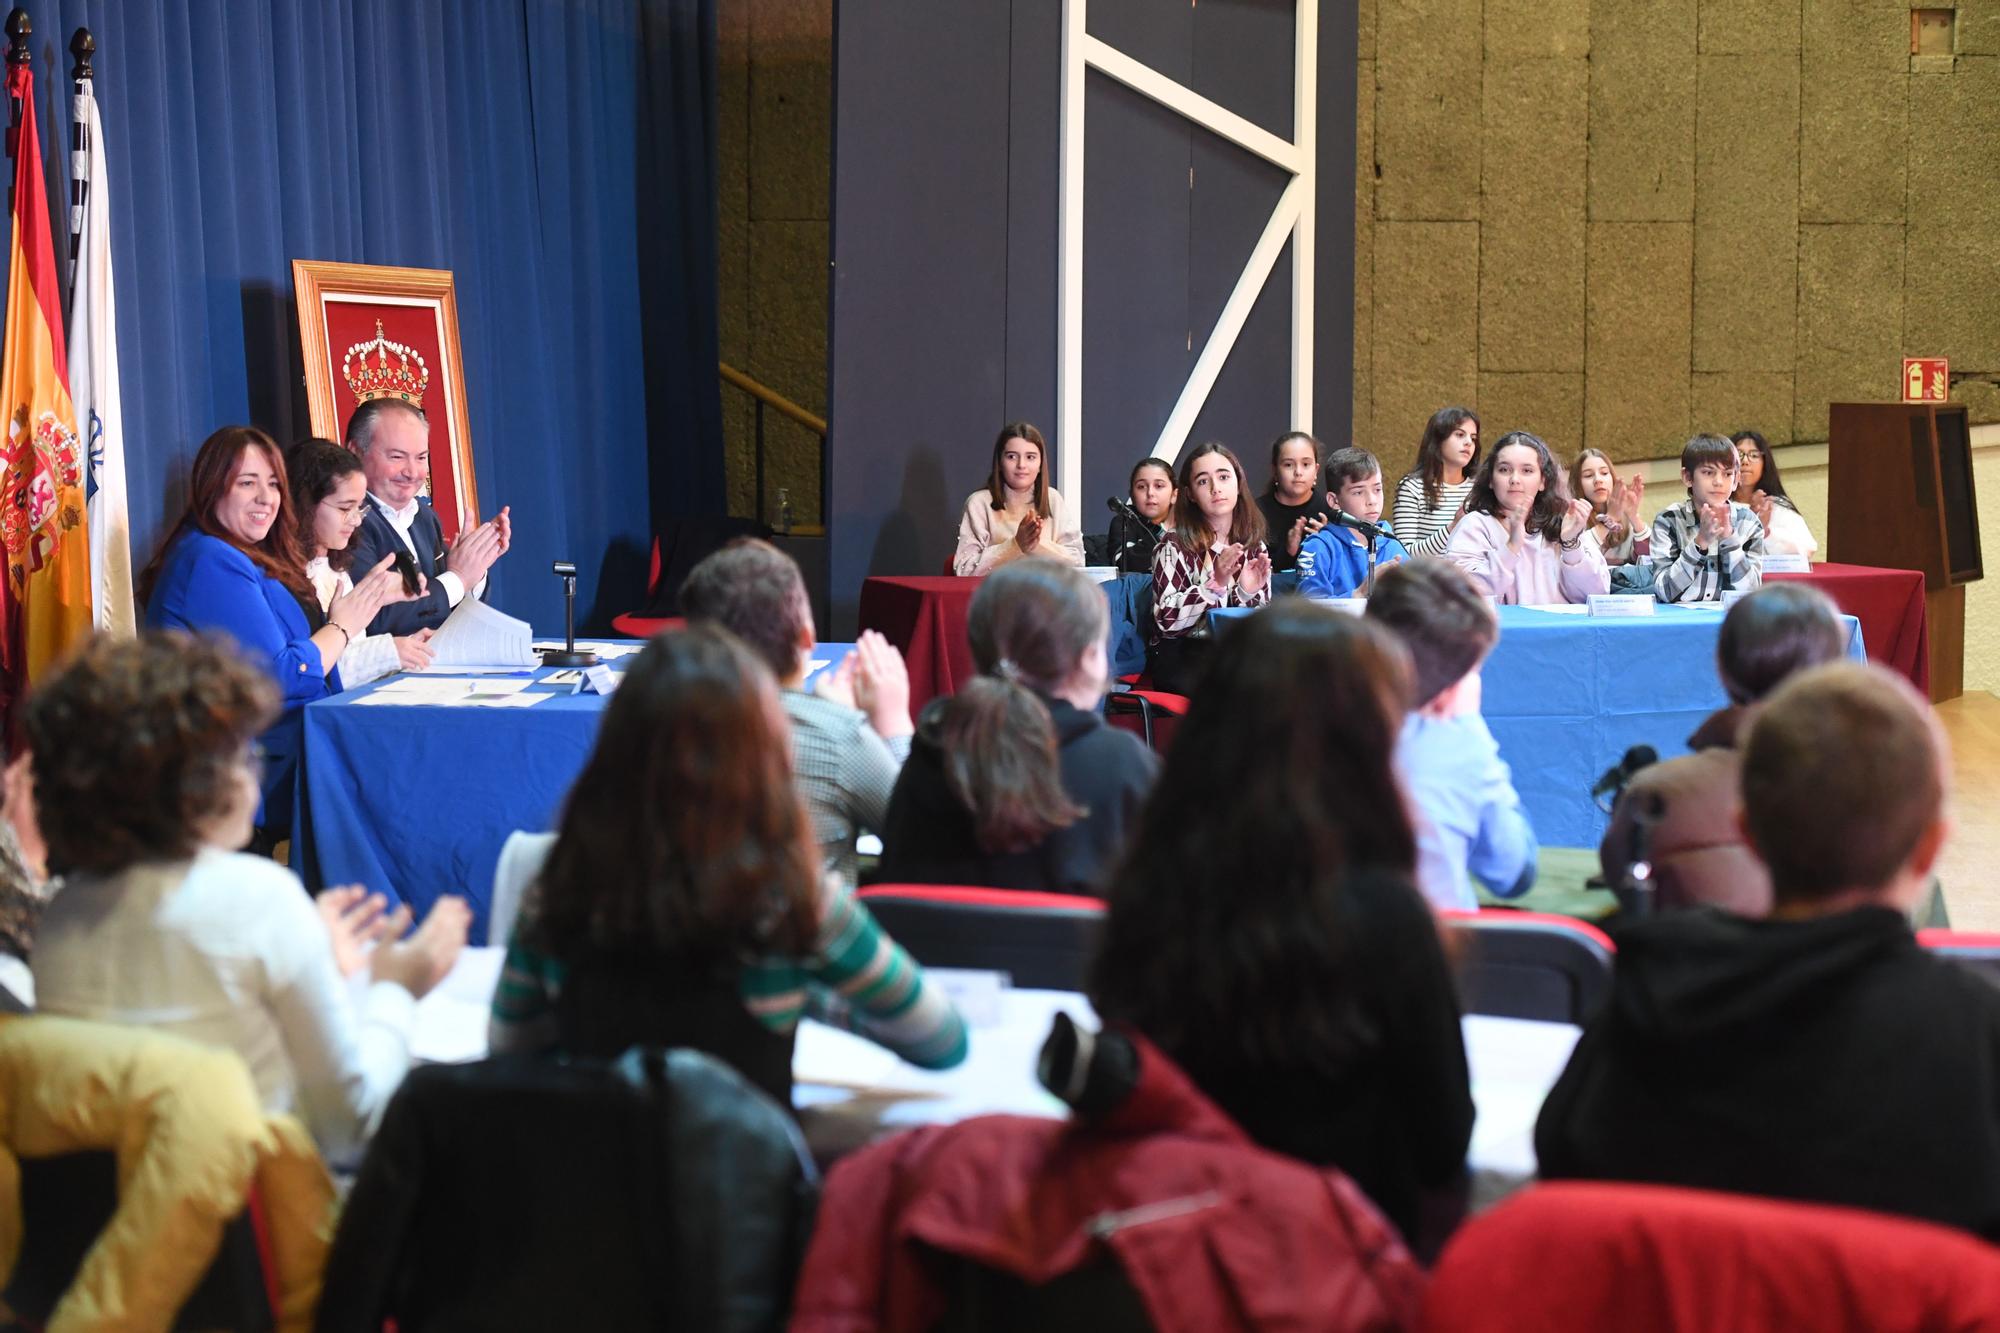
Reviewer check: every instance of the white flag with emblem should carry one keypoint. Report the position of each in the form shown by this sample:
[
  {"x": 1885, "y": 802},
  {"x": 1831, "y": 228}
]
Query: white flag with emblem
[{"x": 93, "y": 370}]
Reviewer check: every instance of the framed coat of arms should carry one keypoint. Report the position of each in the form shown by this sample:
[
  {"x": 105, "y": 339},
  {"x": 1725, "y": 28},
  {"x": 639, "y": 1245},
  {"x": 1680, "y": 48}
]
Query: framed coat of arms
[{"x": 371, "y": 331}]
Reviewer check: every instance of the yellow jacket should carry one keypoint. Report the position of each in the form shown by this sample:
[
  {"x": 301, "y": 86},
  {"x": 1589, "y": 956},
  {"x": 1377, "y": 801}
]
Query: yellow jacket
[{"x": 190, "y": 1140}]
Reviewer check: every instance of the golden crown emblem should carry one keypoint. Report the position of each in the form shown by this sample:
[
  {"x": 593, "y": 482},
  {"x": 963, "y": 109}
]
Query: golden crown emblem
[{"x": 391, "y": 375}]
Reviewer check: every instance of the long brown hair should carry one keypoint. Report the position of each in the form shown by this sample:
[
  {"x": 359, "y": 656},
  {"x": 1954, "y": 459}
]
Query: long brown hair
[
  {"x": 1545, "y": 513},
  {"x": 1030, "y": 623},
  {"x": 1430, "y": 450},
  {"x": 684, "y": 835},
  {"x": 316, "y": 467},
  {"x": 1576, "y": 477},
  {"x": 1191, "y": 530},
  {"x": 208, "y": 481},
  {"x": 996, "y": 485}
]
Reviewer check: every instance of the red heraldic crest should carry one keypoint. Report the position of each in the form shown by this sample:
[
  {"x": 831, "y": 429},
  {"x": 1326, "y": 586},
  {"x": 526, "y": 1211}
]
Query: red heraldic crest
[{"x": 41, "y": 493}]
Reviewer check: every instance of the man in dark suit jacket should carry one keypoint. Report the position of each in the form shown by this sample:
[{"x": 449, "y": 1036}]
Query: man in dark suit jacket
[{"x": 393, "y": 439}]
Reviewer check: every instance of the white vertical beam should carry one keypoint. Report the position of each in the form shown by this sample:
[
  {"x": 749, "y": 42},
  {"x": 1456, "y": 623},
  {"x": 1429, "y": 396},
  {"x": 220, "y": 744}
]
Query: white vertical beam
[
  {"x": 1305, "y": 136},
  {"x": 1069, "y": 262},
  {"x": 1284, "y": 219}
]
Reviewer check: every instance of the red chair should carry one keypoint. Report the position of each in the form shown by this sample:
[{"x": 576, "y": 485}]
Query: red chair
[
  {"x": 1651, "y": 1259},
  {"x": 1044, "y": 941},
  {"x": 1974, "y": 949},
  {"x": 1529, "y": 964},
  {"x": 1158, "y": 712},
  {"x": 636, "y": 626}
]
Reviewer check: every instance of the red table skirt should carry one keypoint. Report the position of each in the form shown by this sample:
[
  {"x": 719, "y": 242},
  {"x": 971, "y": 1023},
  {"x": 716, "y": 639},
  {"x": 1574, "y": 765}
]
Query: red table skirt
[
  {"x": 924, "y": 615},
  {"x": 1889, "y": 603}
]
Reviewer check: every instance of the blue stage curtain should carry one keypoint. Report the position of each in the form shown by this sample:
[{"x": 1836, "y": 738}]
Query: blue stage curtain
[{"x": 543, "y": 150}]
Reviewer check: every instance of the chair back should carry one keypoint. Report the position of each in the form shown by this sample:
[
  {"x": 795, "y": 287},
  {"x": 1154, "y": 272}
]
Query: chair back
[
  {"x": 1044, "y": 941},
  {"x": 1977, "y": 950},
  {"x": 1529, "y": 964},
  {"x": 1653, "y": 1259}
]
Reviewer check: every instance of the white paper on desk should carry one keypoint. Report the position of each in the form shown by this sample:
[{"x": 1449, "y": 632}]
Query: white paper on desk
[
  {"x": 451, "y": 686},
  {"x": 474, "y": 634},
  {"x": 468, "y": 671},
  {"x": 606, "y": 652}
]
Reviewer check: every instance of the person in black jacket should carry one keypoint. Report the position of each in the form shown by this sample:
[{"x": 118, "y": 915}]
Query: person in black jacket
[
  {"x": 1016, "y": 782},
  {"x": 1820, "y": 1054}
]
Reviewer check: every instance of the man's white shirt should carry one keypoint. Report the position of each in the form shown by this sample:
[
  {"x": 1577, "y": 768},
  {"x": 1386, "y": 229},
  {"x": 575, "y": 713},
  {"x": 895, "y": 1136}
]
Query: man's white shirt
[{"x": 401, "y": 520}]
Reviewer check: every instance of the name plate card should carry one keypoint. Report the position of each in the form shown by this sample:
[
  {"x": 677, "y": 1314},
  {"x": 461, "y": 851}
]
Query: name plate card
[
  {"x": 597, "y": 680},
  {"x": 1786, "y": 562},
  {"x": 1616, "y": 604}
]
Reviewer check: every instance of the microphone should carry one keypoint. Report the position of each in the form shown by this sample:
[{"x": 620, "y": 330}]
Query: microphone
[
  {"x": 1619, "y": 774},
  {"x": 1360, "y": 525},
  {"x": 1118, "y": 506}
]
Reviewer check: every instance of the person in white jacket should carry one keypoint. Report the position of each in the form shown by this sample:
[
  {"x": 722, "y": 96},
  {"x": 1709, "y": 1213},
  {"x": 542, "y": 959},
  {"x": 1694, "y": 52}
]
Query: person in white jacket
[{"x": 1017, "y": 513}]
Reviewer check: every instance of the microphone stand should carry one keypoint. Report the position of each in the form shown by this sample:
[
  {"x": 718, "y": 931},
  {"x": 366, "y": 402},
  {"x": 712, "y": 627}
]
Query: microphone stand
[{"x": 567, "y": 655}]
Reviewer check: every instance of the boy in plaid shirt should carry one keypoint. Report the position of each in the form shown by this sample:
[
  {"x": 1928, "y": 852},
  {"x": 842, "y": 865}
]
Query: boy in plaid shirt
[{"x": 1707, "y": 544}]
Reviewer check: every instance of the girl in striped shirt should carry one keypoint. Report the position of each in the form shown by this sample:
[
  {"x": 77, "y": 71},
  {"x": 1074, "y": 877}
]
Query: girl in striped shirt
[
  {"x": 1430, "y": 495},
  {"x": 682, "y": 903}
]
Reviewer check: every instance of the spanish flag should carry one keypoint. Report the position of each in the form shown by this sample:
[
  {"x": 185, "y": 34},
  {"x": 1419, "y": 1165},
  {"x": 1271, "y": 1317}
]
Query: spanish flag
[{"x": 41, "y": 493}]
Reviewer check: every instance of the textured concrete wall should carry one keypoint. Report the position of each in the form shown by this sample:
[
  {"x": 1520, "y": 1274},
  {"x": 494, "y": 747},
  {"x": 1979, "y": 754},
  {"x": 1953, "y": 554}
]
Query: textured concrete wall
[
  {"x": 1615, "y": 222},
  {"x": 774, "y": 89}
]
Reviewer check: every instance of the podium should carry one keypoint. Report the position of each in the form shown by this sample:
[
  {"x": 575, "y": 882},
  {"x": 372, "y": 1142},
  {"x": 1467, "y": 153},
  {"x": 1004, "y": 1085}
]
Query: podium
[{"x": 1899, "y": 495}]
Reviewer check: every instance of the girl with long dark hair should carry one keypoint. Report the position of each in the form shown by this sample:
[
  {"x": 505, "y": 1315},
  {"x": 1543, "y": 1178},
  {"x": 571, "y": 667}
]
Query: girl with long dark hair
[
  {"x": 1522, "y": 539},
  {"x": 1215, "y": 556},
  {"x": 1759, "y": 486},
  {"x": 1017, "y": 512},
  {"x": 682, "y": 901},
  {"x": 1264, "y": 929},
  {"x": 1432, "y": 494},
  {"x": 332, "y": 495}
]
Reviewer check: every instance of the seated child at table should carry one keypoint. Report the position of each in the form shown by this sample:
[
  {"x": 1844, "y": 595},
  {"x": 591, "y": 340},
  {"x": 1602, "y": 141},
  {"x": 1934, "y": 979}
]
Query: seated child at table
[
  {"x": 1016, "y": 782},
  {"x": 1683, "y": 816},
  {"x": 1431, "y": 496},
  {"x": 1152, "y": 492},
  {"x": 1521, "y": 540},
  {"x": 1614, "y": 505},
  {"x": 1821, "y": 1054},
  {"x": 1017, "y": 512},
  {"x": 1468, "y": 815},
  {"x": 1708, "y": 544},
  {"x": 1262, "y": 928},
  {"x": 1759, "y": 486},
  {"x": 1337, "y": 561},
  {"x": 1294, "y": 507},
  {"x": 1215, "y": 557}
]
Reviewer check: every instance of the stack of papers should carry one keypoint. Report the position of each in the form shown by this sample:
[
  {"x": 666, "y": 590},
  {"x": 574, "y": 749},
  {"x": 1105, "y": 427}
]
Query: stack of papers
[
  {"x": 475, "y": 635},
  {"x": 606, "y": 652}
]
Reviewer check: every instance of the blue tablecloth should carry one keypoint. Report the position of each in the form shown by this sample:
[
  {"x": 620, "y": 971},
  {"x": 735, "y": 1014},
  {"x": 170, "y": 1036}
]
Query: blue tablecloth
[
  {"x": 1566, "y": 695},
  {"x": 415, "y": 801}
]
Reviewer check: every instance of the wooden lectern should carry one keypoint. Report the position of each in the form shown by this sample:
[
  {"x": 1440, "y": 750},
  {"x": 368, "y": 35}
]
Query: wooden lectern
[{"x": 1899, "y": 495}]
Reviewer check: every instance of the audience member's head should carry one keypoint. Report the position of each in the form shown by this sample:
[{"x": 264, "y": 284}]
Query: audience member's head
[
  {"x": 1441, "y": 618},
  {"x": 1775, "y": 633},
  {"x": 143, "y": 751},
  {"x": 1451, "y": 439},
  {"x": 1152, "y": 489},
  {"x": 1521, "y": 475},
  {"x": 1354, "y": 483},
  {"x": 1212, "y": 506},
  {"x": 684, "y": 835},
  {"x": 1591, "y": 478},
  {"x": 238, "y": 493},
  {"x": 1220, "y": 941},
  {"x": 1037, "y": 628},
  {"x": 1294, "y": 467},
  {"x": 1708, "y": 468},
  {"x": 331, "y": 491},
  {"x": 393, "y": 440},
  {"x": 754, "y": 590},
  {"x": 1021, "y": 463}
]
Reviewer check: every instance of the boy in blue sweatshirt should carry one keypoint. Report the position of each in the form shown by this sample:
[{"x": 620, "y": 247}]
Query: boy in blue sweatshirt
[
  {"x": 1468, "y": 817},
  {"x": 1334, "y": 562}
]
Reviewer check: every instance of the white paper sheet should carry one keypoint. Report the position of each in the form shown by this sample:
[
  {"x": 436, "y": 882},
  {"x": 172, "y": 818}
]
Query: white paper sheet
[
  {"x": 606, "y": 652},
  {"x": 475, "y": 634}
]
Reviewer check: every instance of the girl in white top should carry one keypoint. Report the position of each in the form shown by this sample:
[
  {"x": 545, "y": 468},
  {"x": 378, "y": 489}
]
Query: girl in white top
[
  {"x": 144, "y": 776},
  {"x": 1759, "y": 486},
  {"x": 332, "y": 495},
  {"x": 1432, "y": 494},
  {"x": 1017, "y": 512},
  {"x": 1522, "y": 540}
]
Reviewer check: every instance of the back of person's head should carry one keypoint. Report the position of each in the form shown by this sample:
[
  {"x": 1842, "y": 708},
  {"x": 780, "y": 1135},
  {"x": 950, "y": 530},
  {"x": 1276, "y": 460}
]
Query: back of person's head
[
  {"x": 1843, "y": 782},
  {"x": 1224, "y": 940},
  {"x": 141, "y": 744},
  {"x": 315, "y": 467},
  {"x": 367, "y": 418},
  {"x": 1034, "y": 625},
  {"x": 1348, "y": 465},
  {"x": 1775, "y": 633},
  {"x": 684, "y": 835},
  {"x": 1441, "y": 618},
  {"x": 753, "y": 590}
]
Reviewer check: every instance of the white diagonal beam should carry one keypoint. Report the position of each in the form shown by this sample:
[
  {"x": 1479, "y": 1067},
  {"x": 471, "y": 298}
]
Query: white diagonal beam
[{"x": 1145, "y": 79}]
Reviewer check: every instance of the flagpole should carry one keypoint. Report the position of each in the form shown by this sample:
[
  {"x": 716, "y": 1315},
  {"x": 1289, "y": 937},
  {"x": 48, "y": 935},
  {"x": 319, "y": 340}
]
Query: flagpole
[
  {"x": 19, "y": 30},
  {"x": 82, "y": 45}
]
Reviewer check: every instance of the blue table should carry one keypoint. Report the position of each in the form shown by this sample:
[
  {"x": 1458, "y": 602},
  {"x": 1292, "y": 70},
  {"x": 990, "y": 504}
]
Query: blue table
[
  {"x": 414, "y": 801},
  {"x": 1566, "y": 695}
]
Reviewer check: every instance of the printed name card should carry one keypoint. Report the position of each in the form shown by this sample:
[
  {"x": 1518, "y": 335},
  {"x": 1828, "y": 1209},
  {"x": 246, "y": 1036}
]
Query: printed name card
[
  {"x": 1786, "y": 562},
  {"x": 1617, "y": 604},
  {"x": 597, "y": 680}
]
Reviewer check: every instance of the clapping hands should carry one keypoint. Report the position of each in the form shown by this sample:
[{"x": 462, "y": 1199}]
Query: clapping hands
[
  {"x": 381, "y": 586},
  {"x": 1028, "y": 535}
]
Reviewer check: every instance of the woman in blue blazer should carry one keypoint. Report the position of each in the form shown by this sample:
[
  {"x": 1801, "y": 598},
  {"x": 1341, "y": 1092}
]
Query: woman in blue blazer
[{"x": 231, "y": 566}]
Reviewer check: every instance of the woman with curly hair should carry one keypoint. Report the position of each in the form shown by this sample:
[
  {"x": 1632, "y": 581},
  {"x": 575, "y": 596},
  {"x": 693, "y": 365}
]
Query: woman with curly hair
[{"x": 145, "y": 774}]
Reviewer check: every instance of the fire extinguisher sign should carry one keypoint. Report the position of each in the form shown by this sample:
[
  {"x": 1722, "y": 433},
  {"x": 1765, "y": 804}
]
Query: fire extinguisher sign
[{"x": 1926, "y": 379}]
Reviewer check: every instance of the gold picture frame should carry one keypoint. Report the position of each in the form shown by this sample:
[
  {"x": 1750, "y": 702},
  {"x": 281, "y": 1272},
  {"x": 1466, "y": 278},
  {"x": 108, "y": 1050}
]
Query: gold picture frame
[{"x": 395, "y": 331}]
